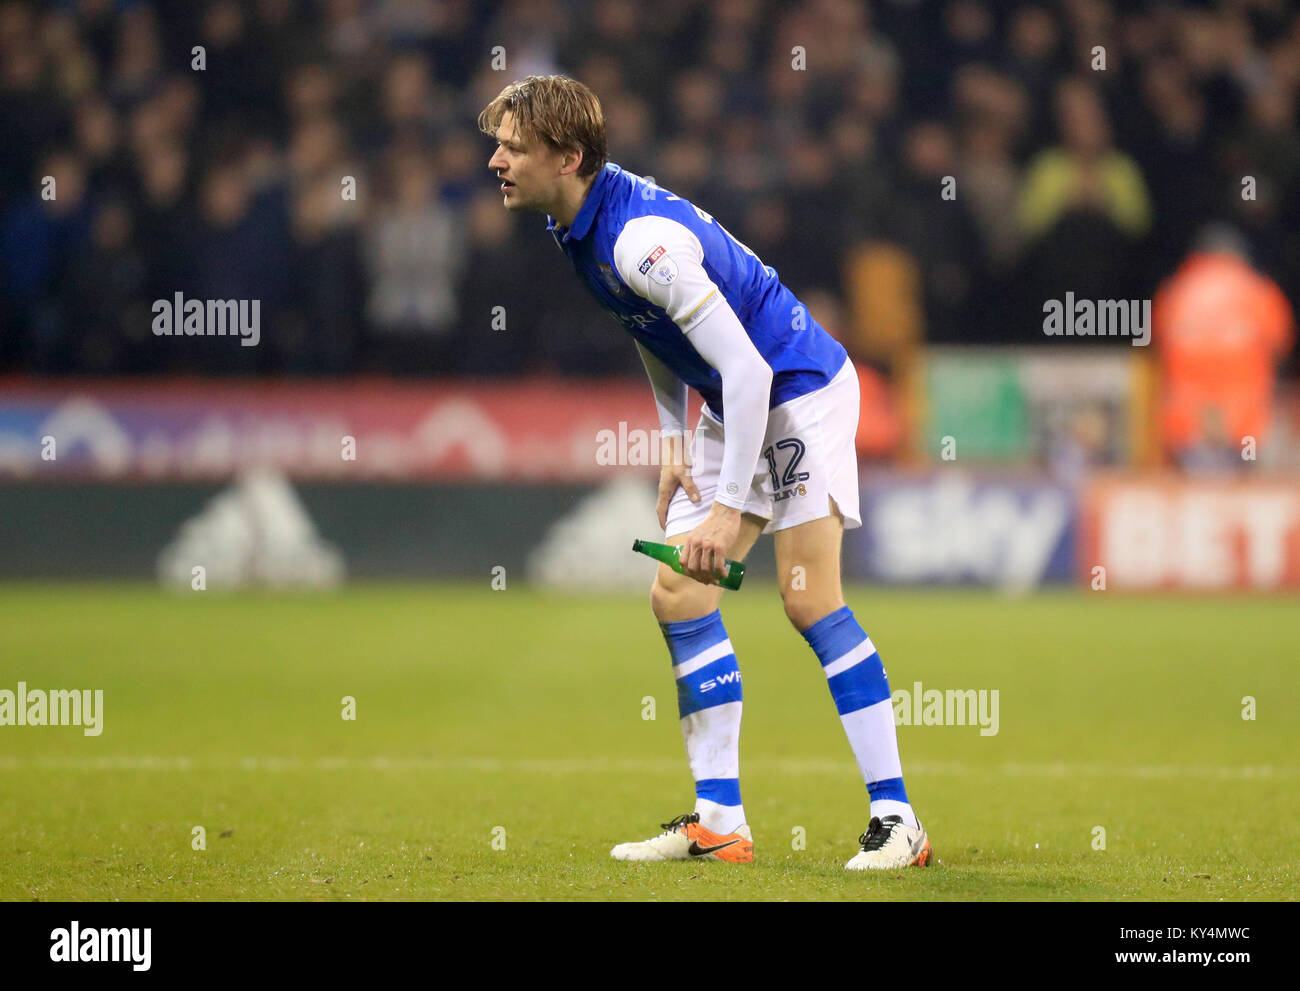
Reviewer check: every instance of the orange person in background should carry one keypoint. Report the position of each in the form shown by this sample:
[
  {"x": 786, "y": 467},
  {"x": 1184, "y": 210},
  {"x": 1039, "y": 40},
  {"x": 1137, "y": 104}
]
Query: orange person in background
[
  {"x": 1221, "y": 329},
  {"x": 880, "y": 423},
  {"x": 880, "y": 420}
]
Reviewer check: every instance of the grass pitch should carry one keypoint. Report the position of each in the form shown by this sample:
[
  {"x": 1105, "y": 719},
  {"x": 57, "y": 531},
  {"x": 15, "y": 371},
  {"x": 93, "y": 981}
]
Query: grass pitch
[{"x": 500, "y": 747}]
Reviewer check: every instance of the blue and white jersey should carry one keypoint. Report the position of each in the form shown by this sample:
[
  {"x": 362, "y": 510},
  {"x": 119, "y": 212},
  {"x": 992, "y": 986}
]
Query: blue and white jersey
[{"x": 660, "y": 265}]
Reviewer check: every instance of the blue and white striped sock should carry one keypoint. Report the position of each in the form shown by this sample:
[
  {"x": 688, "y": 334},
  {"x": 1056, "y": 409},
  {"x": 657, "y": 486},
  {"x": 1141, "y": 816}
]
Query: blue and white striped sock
[
  {"x": 860, "y": 689},
  {"x": 709, "y": 703}
]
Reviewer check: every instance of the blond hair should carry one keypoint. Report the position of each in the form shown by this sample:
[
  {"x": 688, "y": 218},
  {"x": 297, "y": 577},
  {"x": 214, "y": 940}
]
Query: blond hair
[{"x": 559, "y": 111}]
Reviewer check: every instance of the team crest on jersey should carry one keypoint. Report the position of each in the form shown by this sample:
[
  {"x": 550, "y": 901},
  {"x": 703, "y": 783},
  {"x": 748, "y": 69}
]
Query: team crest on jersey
[{"x": 664, "y": 271}]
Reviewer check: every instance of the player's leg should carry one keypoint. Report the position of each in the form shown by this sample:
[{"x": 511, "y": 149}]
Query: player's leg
[
  {"x": 675, "y": 598},
  {"x": 709, "y": 697},
  {"x": 808, "y": 561},
  {"x": 809, "y": 527},
  {"x": 709, "y": 703}
]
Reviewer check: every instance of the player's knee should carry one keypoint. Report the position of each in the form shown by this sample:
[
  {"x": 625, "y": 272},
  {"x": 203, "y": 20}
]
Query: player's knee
[
  {"x": 675, "y": 597},
  {"x": 803, "y": 608}
]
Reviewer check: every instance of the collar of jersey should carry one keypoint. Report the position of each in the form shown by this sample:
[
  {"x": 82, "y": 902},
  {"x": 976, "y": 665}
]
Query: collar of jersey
[{"x": 590, "y": 206}]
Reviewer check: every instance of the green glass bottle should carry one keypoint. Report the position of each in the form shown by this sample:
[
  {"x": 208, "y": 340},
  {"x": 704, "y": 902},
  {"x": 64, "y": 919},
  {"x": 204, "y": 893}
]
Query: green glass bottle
[{"x": 669, "y": 553}]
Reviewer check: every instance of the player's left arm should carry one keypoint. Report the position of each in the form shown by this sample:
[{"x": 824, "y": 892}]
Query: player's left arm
[{"x": 662, "y": 261}]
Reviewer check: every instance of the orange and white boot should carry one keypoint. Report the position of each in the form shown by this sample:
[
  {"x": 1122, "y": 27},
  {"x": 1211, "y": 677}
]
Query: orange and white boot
[{"x": 685, "y": 839}]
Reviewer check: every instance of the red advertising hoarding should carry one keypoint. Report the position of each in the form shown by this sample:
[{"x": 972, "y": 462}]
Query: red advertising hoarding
[
  {"x": 540, "y": 430},
  {"x": 1170, "y": 533}
]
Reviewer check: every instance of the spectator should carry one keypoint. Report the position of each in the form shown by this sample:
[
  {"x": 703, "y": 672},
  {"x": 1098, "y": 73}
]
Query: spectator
[
  {"x": 240, "y": 250},
  {"x": 108, "y": 296},
  {"x": 495, "y": 334},
  {"x": 328, "y": 289},
  {"x": 1083, "y": 209},
  {"x": 43, "y": 239},
  {"x": 937, "y": 231},
  {"x": 413, "y": 257},
  {"x": 818, "y": 132},
  {"x": 1220, "y": 329}
]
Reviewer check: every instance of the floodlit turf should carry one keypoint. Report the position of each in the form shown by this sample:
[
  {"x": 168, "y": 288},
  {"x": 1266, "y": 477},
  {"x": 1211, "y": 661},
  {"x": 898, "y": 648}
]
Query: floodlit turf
[{"x": 517, "y": 717}]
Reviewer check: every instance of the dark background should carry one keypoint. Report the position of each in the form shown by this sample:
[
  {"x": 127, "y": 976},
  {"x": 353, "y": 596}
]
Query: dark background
[{"x": 225, "y": 183}]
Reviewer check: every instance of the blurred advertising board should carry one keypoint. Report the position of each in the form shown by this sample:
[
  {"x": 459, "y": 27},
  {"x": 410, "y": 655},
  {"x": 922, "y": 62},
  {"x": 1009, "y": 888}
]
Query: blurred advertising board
[
  {"x": 1174, "y": 533},
  {"x": 976, "y": 397},
  {"x": 1022, "y": 404},
  {"x": 353, "y": 430},
  {"x": 950, "y": 527}
]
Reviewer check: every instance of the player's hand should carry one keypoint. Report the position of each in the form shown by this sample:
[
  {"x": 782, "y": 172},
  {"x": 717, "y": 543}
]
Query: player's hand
[
  {"x": 704, "y": 551},
  {"x": 675, "y": 472}
]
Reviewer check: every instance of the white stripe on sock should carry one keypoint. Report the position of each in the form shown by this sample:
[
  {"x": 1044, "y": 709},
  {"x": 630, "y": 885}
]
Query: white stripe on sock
[
  {"x": 707, "y": 656},
  {"x": 855, "y": 656}
]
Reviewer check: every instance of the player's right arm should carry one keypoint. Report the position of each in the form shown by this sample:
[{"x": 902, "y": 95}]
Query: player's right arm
[
  {"x": 671, "y": 397},
  {"x": 663, "y": 261}
]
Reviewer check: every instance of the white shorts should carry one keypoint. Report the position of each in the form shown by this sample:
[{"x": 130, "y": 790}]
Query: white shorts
[{"x": 809, "y": 456}]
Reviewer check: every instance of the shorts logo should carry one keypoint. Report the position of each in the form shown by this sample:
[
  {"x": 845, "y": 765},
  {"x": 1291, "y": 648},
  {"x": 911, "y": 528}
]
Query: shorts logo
[
  {"x": 650, "y": 259},
  {"x": 732, "y": 488}
]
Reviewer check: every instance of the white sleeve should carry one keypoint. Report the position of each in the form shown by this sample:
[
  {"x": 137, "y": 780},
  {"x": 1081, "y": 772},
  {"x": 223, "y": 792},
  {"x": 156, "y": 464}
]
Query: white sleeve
[
  {"x": 721, "y": 340},
  {"x": 663, "y": 261},
  {"x": 671, "y": 394}
]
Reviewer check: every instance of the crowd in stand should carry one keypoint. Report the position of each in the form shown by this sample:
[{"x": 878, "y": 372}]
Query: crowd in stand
[{"x": 322, "y": 157}]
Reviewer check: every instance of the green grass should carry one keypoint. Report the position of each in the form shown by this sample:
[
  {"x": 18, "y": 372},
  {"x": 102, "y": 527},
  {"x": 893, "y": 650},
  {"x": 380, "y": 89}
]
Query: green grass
[{"x": 520, "y": 710}]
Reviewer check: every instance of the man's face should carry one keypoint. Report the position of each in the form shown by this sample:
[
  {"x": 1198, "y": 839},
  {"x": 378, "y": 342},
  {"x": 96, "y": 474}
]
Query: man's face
[{"x": 528, "y": 169}]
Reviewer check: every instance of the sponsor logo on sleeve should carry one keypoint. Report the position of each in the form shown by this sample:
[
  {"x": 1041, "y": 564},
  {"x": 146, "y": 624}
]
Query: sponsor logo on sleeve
[{"x": 648, "y": 261}]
